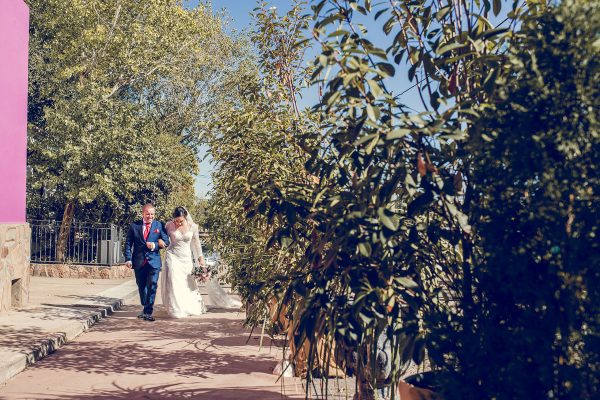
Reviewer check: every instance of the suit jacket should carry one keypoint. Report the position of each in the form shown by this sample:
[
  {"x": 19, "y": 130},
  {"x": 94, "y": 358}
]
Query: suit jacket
[{"x": 136, "y": 250}]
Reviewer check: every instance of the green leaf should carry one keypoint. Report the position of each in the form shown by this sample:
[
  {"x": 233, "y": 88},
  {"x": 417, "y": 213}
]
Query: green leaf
[
  {"x": 490, "y": 33},
  {"x": 419, "y": 351},
  {"x": 406, "y": 282},
  {"x": 339, "y": 32},
  {"x": 449, "y": 47},
  {"x": 497, "y": 7},
  {"x": 372, "y": 144},
  {"x": 387, "y": 69},
  {"x": 380, "y": 13},
  {"x": 366, "y": 138},
  {"x": 412, "y": 71},
  {"x": 373, "y": 112},
  {"x": 385, "y": 219},
  {"x": 387, "y": 27},
  {"x": 407, "y": 351},
  {"x": 323, "y": 60},
  {"x": 461, "y": 218},
  {"x": 375, "y": 88},
  {"x": 397, "y": 133},
  {"x": 286, "y": 242},
  {"x": 366, "y": 319},
  {"x": 365, "y": 248},
  {"x": 318, "y": 7},
  {"x": 442, "y": 12},
  {"x": 419, "y": 204}
]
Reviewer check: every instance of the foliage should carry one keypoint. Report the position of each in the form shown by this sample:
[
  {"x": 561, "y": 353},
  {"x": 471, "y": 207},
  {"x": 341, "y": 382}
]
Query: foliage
[
  {"x": 185, "y": 196},
  {"x": 374, "y": 219},
  {"x": 385, "y": 240},
  {"x": 537, "y": 183},
  {"x": 255, "y": 147},
  {"x": 118, "y": 94}
]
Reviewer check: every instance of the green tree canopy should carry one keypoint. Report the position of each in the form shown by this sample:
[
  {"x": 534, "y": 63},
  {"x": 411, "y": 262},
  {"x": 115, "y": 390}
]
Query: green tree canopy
[{"x": 119, "y": 92}]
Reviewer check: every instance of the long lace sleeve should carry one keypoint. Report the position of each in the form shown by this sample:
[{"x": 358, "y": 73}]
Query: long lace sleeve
[
  {"x": 169, "y": 227},
  {"x": 196, "y": 245}
]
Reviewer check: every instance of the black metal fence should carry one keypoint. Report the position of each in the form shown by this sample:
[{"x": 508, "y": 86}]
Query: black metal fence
[{"x": 87, "y": 243}]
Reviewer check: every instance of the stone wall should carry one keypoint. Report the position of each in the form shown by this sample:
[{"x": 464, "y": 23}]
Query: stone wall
[
  {"x": 118, "y": 271},
  {"x": 14, "y": 265}
]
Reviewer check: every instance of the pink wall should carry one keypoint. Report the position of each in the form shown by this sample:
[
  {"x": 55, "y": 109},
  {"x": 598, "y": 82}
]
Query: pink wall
[{"x": 14, "y": 44}]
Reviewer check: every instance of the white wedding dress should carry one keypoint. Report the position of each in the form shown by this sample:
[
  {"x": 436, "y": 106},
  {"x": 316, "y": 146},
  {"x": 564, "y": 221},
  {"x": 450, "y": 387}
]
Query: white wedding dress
[
  {"x": 180, "y": 295},
  {"x": 218, "y": 297}
]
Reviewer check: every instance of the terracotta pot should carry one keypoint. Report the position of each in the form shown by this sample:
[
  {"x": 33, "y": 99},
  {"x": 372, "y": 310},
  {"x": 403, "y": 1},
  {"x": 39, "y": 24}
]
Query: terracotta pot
[
  {"x": 419, "y": 387},
  {"x": 406, "y": 391}
]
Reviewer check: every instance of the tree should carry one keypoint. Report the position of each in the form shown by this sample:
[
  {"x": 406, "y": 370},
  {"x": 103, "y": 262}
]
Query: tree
[
  {"x": 116, "y": 100},
  {"x": 537, "y": 183},
  {"x": 386, "y": 244},
  {"x": 387, "y": 220},
  {"x": 256, "y": 149}
]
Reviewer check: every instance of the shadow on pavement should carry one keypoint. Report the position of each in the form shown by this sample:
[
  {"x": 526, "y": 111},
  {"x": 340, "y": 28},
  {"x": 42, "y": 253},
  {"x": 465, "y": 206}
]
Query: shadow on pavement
[
  {"x": 53, "y": 312},
  {"x": 212, "y": 356},
  {"x": 187, "y": 348},
  {"x": 175, "y": 391},
  {"x": 20, "y": 340}
]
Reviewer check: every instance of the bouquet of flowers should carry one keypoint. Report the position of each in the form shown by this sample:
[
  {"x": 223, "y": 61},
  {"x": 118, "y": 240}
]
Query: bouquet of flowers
[{"x": 202, "y": 272}]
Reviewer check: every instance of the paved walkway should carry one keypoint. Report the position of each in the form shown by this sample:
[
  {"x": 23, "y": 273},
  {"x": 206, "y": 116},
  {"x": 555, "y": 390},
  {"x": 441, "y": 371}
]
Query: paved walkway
[
  {"x": 207, "y": 357},
  {"x": 59, "y": 311}
]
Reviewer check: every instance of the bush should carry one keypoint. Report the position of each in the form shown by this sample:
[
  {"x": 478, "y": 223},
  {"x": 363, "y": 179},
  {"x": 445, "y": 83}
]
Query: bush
[{"x": 537, "y": 180}]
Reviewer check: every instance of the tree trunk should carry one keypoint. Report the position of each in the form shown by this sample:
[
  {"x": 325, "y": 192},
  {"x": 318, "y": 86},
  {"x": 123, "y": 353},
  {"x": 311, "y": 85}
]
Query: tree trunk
[{"x": 65, "y": 228}]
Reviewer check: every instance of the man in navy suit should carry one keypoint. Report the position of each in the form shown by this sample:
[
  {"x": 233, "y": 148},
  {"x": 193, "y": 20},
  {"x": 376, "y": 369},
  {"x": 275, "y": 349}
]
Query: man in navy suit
[{"x": 142, "y": 254}]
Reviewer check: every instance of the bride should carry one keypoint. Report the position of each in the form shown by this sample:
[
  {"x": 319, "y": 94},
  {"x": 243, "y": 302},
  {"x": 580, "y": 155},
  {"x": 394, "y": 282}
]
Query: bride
[{"x": 180, "y": 295}]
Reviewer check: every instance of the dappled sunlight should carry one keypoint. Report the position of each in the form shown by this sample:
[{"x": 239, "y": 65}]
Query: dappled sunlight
[
  {"x": 165, "y": 391},
  {"x": 211, "y": 355}
]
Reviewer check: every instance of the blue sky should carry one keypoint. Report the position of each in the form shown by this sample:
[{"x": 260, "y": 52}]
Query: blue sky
[{"x": 239, "y": 10}]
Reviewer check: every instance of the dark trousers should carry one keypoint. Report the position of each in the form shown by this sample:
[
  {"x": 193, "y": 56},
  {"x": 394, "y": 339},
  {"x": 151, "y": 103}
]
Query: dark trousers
[{"x": 146, "y": 278}]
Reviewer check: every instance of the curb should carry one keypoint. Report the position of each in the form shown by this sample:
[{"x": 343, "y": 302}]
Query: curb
[{"x": 15, "y": 363}]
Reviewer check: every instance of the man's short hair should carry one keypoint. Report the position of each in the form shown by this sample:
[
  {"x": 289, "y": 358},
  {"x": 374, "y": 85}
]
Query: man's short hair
[{"x": 148, "y": 205}]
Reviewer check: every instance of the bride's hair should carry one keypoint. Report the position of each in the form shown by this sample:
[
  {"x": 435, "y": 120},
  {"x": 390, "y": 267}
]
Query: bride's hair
[{"x": 180, "y": 212}]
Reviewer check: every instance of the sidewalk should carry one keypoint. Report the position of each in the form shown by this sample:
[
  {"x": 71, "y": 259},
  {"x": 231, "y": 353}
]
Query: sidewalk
[
  {"x": 212, "y": 356},
  {"x": 58, "y": 312}
]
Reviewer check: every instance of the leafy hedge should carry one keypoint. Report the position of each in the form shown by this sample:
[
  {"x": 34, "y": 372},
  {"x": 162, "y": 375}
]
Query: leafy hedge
[{"x": 459, "y": 232}]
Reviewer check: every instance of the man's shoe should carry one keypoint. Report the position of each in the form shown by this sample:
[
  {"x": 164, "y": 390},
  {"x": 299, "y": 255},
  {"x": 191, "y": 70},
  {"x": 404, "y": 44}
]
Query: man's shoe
[
  {"x": 149, "y": 318},
  {"x": 142, "y": 316}
]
